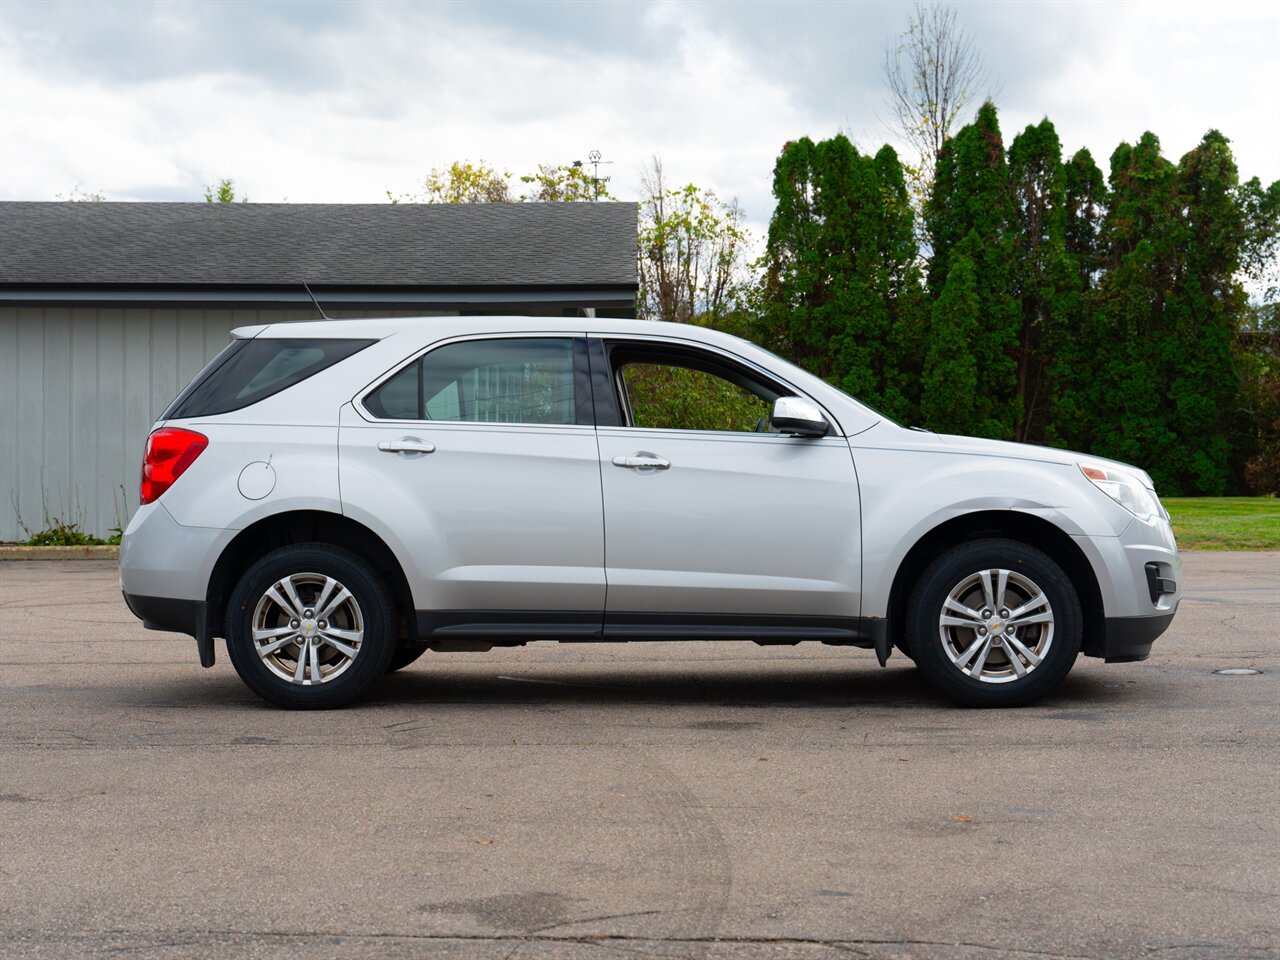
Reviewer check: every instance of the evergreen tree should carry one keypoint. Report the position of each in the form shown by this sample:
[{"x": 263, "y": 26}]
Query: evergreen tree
[
  {"x": 842, "y": 291},
  {"x": 1046, "y": 281},
  {"x": 1086, "y": 205},
  {"x": 972, "y": 204},
  {"x": 1071, "y": 375},
  {"x": 1256, "y": 442},
  {"x": 1168, "y": 309},
  {"x": 951, "y": 383},
  {"x": 1205, "y": 314}
]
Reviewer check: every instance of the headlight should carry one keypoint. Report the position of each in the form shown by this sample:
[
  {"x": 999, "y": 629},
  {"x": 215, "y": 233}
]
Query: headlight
[{"x": 1126, "y": 490}]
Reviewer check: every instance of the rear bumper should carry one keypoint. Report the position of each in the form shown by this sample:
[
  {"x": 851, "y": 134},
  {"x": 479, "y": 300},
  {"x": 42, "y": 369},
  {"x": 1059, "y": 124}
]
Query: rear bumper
[
  {"x": 176, "y": 616},
  {"x": 165, "y": 613}
]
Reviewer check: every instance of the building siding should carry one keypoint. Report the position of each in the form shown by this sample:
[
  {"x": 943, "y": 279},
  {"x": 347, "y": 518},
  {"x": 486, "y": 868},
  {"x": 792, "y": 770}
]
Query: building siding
[{"x": 79, "y": 391}]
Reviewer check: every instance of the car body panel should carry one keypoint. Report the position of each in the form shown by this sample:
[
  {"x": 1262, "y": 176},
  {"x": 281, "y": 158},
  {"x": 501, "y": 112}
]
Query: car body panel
[
  {"x": 499, "y": 516},
  {"x": 739, "y": 523}
]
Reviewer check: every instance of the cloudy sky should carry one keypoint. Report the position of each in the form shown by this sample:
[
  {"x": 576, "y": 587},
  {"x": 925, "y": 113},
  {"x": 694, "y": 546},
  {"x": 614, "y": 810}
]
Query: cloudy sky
[{"x": 342, "y": 101}]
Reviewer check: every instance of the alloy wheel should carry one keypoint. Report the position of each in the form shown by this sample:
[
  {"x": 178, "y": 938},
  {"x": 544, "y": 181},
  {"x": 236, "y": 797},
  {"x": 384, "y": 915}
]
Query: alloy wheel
[
  {"x": 307, "y": 628},
  {"x": 996, "y": 625}
]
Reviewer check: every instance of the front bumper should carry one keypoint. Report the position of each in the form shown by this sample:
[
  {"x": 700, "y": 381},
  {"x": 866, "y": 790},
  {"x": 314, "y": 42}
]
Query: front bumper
[
  {"x": 1139, "y": 576},
  {"x": 1126, "y": 639}
]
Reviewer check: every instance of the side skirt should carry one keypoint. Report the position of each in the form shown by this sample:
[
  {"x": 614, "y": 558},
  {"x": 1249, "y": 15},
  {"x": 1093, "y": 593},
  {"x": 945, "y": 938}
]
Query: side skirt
[{"x": 465, "y": 629}]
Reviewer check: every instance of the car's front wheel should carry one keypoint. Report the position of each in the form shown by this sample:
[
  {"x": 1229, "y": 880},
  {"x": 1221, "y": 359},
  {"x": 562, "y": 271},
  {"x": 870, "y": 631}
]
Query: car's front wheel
[
  {"x": 994, "y": 623},
  {"x": 308, "y": 627}
]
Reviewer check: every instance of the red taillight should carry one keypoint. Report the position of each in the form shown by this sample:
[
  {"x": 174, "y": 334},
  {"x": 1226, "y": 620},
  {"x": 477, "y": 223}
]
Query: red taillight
[{"x": 170, "y": 450}]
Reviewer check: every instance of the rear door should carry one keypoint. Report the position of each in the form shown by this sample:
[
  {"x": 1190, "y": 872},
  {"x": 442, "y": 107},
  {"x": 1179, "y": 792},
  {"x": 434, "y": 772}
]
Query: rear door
[{"x": 479, "y": 460}]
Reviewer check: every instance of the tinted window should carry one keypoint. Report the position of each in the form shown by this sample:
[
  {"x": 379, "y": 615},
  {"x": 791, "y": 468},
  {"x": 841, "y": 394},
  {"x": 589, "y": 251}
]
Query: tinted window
[
  {"x": 252, "y": 370},
  {"x": 484, "y": 381}
]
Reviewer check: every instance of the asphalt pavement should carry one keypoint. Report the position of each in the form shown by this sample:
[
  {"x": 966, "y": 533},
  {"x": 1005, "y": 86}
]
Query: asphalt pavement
[{"x": 646, "y": 800}]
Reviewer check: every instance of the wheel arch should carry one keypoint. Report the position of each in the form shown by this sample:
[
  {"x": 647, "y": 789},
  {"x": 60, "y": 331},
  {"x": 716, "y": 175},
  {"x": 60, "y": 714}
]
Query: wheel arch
[
  {"x": 307, "y": 526},
  {"x": 1011, "y": 524}
]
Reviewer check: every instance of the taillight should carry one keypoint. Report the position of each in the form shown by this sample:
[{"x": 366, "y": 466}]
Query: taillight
[{"x": 170, "y": 450}]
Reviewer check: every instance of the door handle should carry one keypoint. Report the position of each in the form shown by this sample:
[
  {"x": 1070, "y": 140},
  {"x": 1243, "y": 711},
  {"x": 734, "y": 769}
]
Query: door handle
[
  {"x": 407, "y": 445},
  {"x": 645, "y": 461}
]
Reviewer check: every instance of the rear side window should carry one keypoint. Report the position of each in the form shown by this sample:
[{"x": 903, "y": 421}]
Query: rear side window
[
  {"x": 252, "y": 370},
  {"x": 484, "y": 381}
]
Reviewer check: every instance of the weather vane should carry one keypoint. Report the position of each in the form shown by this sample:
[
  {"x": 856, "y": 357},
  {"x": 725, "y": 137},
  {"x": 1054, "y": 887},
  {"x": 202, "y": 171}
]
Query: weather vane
[{"x": 594, "y": 158}]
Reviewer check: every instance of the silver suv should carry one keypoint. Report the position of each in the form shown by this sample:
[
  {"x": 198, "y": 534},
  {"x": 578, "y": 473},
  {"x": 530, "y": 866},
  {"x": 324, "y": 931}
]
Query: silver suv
[{"x": 335, "y": 498}]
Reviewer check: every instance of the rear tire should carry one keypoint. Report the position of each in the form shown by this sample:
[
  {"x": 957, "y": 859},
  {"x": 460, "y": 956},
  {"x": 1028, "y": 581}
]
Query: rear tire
[
  {"x": 994, "y": 623},
  {"x": 308, "y": 627}
]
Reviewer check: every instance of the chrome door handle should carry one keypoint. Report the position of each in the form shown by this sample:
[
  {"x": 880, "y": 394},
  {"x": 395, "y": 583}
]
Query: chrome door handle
[
  {"x": 407, "y": 445},
  {"x": 642, "y": 462}
]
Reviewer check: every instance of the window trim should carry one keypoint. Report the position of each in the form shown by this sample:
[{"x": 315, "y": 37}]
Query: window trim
[
  {"x": 608, "y": 404},
  {"x": 582, "y": 393}
]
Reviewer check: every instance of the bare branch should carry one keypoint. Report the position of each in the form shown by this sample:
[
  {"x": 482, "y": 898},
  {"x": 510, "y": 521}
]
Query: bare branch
[{"x": 933, "y": 72}]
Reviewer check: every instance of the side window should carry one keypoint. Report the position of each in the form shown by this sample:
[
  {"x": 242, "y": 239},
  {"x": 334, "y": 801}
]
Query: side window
[
  {"x": 484, "y": 381},
  {"x": 251, "y": 370},
  {"x": 671, "y": 394}
]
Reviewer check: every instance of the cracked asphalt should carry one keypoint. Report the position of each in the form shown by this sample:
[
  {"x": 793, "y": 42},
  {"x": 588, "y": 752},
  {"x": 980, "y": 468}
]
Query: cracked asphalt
[{"x": 645, "y": 800}]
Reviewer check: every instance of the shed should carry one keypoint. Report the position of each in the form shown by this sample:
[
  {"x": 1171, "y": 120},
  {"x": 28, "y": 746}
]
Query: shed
[{"x": 108, "y": 309}]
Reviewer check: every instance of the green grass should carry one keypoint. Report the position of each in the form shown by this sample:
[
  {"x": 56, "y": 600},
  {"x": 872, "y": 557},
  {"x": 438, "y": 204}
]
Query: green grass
[{"x": 1225, "y": 523}]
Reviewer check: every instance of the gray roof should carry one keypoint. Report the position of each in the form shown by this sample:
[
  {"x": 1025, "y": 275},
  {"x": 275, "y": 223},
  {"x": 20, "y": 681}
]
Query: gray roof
[{"x": 332, "y": 244}]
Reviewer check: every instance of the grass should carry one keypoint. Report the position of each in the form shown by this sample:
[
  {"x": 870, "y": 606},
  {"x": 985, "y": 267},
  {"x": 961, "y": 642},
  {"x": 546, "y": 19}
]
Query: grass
[{"x": 1225, "y": 523}]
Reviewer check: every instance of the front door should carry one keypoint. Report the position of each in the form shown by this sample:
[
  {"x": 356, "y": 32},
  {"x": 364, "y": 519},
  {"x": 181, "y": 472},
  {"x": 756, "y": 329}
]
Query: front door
[{"x": 713, "y": 523}]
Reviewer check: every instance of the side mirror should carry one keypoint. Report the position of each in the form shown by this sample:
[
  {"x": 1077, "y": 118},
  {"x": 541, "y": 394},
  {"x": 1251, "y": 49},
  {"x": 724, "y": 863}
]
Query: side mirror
[{"x": 798, "y": 417}]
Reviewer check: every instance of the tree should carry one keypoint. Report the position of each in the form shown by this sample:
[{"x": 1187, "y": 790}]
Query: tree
[
  {"x": 224, "y": 191},
  {"x": 78, "y": 194},
  {"x": 972, "y": 205},
  {"x": 1085, "y": 199},
  {"x": 566, "y": 183},
  {"x": 842, "y": 292},
  {"x": 1168, "y": 309},
  {"x": 1071, "y": 374},
  {"x": 466, "y": 182},
  {"x": 1258, "y": 359},
  {"x": 461, "y": 182},
  {"x": 1257, "y": 348},
  {"x": 1260, "y": 253},
  {"x": 1045, "y": 279},
  {"x": 932, "y": 72},
  {"x": 690, "y": 250},
  {"x": 951, "y": 385}
]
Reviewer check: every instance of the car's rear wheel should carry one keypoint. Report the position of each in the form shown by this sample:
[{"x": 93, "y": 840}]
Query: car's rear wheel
[
  {"x": 994, "y": 623},
  {"x": 307, "y": 627}
]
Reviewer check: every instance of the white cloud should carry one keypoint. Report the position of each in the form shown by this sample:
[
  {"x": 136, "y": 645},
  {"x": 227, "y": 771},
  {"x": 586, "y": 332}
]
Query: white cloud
[{"x": 341, "y": 101}]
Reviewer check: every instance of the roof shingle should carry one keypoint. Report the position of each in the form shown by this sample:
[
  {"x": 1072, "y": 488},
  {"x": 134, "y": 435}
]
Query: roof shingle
[{"x": 343, "y": 244}]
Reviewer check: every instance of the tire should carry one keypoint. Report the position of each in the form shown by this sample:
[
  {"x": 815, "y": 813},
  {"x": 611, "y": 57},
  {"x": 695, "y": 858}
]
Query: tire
[
  {"x": 406, "y": 654},
  {"x": 352, "y": 642},
  {"x": 1019, "y": 658}
]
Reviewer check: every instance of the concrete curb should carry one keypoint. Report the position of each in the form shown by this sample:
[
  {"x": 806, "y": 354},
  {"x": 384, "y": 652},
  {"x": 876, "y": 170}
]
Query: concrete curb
[{"x": 60, "y": 553}]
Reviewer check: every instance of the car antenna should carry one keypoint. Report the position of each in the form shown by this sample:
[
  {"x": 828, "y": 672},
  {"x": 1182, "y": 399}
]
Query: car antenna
[{"x": 315, "y": 301}]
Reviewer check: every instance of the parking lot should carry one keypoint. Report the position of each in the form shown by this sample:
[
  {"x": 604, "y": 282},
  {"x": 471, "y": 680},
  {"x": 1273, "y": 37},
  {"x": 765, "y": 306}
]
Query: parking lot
[{"x": 643, "y": 800}]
